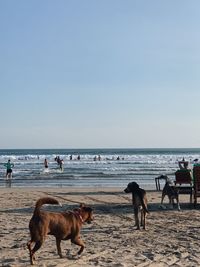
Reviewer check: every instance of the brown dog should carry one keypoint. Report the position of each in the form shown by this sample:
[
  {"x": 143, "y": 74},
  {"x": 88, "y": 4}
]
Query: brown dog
[
  {"x": 63, "y": 225},
  {"x": 139, "y": 201}
]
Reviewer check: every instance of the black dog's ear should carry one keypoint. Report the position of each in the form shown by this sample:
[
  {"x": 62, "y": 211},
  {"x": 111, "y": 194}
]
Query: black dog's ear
[{"x": 134, "y": 186}]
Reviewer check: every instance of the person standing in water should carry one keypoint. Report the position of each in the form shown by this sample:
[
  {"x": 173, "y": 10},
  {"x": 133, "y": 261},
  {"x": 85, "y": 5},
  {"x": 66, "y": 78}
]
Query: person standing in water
[
  {"x": 61, "y": 165},
  {"x": 9, "y": 167},
  {"x": 45, "y": 164}
]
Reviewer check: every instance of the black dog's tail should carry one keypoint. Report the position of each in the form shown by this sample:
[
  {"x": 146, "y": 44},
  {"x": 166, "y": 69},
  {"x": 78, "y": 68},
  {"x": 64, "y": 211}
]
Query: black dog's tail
[
  {"x": 42, "y": 201},
  {"x": 144, "y": 206}
]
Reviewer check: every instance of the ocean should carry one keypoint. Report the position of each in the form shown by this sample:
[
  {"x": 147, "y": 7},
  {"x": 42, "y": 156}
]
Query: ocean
[{"x": 115, "y": 168}]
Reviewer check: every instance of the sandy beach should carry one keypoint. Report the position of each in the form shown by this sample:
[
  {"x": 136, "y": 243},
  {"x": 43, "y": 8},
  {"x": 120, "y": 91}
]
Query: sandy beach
[{"x": 172, "y": 237}]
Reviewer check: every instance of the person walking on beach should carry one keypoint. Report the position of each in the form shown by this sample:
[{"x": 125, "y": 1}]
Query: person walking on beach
[{"x": 9, "y": 167}]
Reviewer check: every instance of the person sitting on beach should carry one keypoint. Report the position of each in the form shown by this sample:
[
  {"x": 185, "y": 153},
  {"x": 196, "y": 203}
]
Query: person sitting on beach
[
  {"x": 9, "y": 167},
  {"x": 183, "y": 165}
]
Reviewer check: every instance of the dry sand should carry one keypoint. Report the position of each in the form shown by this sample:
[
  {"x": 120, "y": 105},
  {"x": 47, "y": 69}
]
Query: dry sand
[{"x": 172, "y": 237}]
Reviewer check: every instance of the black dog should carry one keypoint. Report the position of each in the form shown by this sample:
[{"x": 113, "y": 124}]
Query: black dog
[{"x": 139, "y": 201}]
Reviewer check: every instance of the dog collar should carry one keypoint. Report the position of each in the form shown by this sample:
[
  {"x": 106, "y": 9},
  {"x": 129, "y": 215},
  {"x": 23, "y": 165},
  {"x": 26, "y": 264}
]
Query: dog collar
[{"x": 79, "y": 216}]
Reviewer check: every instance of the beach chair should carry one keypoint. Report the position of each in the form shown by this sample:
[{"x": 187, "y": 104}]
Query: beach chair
[
  {"x": 183, "y": 182},
  {"x": 158, "y": 181},
  {"x": 196, "y": 178}
]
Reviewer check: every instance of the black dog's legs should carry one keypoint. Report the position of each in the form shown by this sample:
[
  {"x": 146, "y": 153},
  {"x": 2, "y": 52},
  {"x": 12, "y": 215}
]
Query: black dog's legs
[
  {"x": 137, "y": 222},
  {"x": 163, "y": 196},
  {"x": 143, "y": 219}
]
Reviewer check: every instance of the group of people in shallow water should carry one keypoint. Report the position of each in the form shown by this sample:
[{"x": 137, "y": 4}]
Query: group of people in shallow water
[
  {"x": 78, "y": 157},
  {"x": 183, "y": 164},
  {"x": 10, "y": 165},
  {"x": 58, "y": 160},
  {"x": 95, "y": 158}
]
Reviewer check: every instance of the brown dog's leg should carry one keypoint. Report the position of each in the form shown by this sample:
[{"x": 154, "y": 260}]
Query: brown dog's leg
[
  {"x": 29, "y": 245},
  {"x": 58, "y": 241},
  {"x": 32, "y": 258},
  {"x": 38, "y": 244},
  {"x": 80, "y": 243},
  {"x": 137, "y": 222},
  {"x": 30, "y": 252}
]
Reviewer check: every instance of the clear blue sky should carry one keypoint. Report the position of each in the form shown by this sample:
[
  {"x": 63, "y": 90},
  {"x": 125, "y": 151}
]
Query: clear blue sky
[{"x": 93, "y": 74}]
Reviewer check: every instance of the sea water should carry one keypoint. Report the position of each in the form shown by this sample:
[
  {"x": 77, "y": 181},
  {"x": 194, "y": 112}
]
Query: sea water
[{"x": 114, "y": 168}]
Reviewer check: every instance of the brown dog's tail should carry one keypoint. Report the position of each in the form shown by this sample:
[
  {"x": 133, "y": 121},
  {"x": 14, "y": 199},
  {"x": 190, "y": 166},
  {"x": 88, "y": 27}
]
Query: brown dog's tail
[{"x": 42, "y": 201}]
